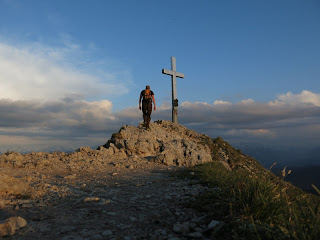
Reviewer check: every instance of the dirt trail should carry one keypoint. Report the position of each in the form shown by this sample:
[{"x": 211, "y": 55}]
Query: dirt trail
[
  {"x": 122, "y": 190},
  {"x": 117, "y": 203}
]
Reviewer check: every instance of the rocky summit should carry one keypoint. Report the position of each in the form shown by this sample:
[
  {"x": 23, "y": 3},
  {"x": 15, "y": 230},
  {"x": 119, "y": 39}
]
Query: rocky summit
[
  {"x": 166, "y": 143},
  {"x": 122, "y": 190}
]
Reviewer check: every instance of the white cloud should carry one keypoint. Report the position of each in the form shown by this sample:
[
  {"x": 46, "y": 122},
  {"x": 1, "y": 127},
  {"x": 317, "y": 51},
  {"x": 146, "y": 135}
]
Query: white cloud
[
  {"x": 40, "y": 72},
  {"x": 58, "y": 115},
  {"x": 221, "y": 102},
  {"x": 305, "y": 97},
  {"x": 188, "y": 104},
  {"x": 247, "y": 101},
  {"x": 45, "y": 90},
  {"x": 248, "y": 132}
]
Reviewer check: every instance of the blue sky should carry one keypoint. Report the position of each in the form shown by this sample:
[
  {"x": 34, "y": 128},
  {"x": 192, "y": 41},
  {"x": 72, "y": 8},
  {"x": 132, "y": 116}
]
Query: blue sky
[{"x": 71, "y": 71}]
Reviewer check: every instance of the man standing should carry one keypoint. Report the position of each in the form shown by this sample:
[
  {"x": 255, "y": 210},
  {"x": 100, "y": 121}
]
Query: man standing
[{"x": 147, "y": 97}]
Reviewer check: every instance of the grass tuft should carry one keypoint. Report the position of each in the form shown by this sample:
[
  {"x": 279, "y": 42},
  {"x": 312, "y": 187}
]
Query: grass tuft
[{"x": 257, "y": 205}]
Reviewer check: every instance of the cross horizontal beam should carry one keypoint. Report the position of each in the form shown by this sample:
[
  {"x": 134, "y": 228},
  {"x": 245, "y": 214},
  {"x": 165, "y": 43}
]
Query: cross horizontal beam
[{"x": 172, "y": 73}]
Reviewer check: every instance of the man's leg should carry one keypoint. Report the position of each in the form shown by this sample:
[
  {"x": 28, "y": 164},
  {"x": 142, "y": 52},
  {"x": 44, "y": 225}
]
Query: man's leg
[
  {"x": 149, "y": 111},
  {"x": 144, "y": 111}
]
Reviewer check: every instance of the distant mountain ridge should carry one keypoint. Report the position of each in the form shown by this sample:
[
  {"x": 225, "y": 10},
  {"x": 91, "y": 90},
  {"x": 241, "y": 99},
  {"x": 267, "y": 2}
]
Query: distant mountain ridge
[{"x": 304, "y": 164}]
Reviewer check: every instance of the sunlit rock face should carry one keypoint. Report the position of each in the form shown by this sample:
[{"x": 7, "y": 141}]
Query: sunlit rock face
[{"x": 165, "y": 142}]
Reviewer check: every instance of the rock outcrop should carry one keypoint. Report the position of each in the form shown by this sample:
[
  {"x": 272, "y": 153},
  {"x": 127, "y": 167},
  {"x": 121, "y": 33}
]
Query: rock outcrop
[{"x": 165, "y": 142}]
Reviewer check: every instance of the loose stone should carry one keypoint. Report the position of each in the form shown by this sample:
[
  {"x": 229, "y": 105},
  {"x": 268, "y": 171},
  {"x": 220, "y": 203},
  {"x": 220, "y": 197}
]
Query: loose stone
[
  {"x": 107, "y": 233},
  {"x": 91, "y": 199},
  {"x": 195, "y": 235},
  {"x": 9, "y": 226},
  {"x": 181, "y": 228},
  {"x": 213, "y": 224}
]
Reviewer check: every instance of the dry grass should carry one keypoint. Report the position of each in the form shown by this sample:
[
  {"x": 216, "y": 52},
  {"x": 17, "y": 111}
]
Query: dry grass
[{"x": 257, "y": 206}]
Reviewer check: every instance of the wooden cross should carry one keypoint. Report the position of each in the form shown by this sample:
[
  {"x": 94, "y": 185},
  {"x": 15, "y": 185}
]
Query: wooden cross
[{"x": 174, "y": 74}]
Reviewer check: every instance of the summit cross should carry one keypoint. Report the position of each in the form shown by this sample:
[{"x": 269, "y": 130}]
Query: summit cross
[{"x": 173, "y": 73}]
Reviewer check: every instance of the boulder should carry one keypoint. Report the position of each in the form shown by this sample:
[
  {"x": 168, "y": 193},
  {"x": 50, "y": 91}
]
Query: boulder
[{"x": 9, "y": 226}]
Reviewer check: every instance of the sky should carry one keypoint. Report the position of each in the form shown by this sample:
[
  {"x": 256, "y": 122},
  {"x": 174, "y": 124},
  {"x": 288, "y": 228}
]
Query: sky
[{"x": 71, "y": 71}]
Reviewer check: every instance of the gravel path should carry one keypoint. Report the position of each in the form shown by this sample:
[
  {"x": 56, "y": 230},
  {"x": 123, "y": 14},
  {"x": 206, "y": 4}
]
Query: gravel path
[{"x": 141, "y": 203}]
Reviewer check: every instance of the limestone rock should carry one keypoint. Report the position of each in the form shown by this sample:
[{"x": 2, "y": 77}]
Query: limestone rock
[
  {"x": 9, "y": 226},
  {"x": 12, "y": 186},
  {"x": 166, "y": 143}
]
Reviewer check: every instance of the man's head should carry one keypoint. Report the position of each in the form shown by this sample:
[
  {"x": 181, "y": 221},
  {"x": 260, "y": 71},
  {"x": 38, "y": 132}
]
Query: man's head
[{"x": 147, "y": 87}]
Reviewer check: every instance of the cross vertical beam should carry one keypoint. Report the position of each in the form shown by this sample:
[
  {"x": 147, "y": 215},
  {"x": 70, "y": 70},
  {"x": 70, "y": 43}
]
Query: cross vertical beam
[{"x": 173, "y": 73}]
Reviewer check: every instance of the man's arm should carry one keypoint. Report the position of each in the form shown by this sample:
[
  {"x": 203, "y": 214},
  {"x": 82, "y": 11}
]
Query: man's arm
[
  {"x": 154, "y": 102},
  {"x": 140, "y": 102}
]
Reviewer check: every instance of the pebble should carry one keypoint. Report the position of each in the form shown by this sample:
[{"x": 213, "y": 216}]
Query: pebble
[
  {"x": 107, "y": 233},
  {"x": 112, "y": 213},
  {"x": 213, "y": 224},
  {"x": 73, "y": 176},
  {"x": 130, "y": 166},
  {"x": 174, "y": 238},
  {"x": 133, "y": 219},
  {"x": 26, "y": 205},
  {"x": 92, "y": 199},
  {"x": 181, "y": 228},
  {"x": 123, "y": 226},
  {"x": 195, "y": 235},
  {"x": 107, "y": 201},
  {"x": 161, "y": 232}
]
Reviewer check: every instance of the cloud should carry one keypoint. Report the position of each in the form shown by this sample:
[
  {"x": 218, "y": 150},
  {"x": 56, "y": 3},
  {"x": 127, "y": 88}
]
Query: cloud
[
  {"x": 59, "y": 115},
  {"x": 36, "y": 71},
  {"x": 55, "y": 125},
  {"x": 246, "y": 101},
  {"x": 250, "y": 113},
  {"x": 221, "y": 102},
  {"x": 290, "y": 119},
  {"x": 305, "y": 97},
  {"x": 47, "y": 95},
  {"x": 265, "y": 133}
]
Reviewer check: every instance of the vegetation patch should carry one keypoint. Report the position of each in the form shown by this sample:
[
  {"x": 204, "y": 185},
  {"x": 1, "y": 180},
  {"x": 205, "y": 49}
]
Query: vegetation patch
[{"x": 256, "y": 206}]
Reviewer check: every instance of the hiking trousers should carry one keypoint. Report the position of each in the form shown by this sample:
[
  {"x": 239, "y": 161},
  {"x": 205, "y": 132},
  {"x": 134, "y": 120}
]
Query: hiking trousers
[{"x": 147, "y": 110}]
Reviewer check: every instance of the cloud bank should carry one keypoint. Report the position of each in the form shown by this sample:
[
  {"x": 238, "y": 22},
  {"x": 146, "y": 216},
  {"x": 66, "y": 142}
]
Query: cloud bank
[
  {"x": 50, "y": 99},
  {"x": 50, "y": 96},
  {"x": 45, "y": 73},
  {"x": 290, "y": 118}
]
